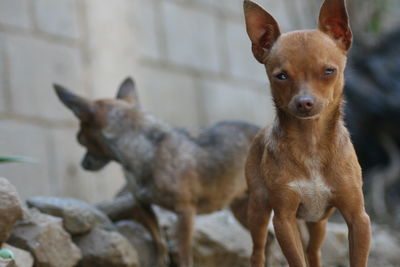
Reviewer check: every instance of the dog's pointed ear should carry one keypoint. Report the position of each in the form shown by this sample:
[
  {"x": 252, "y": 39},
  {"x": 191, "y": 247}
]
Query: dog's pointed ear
[
  {"x": 334, "y": 21},
  {"x": 127, "y": 91},
  {"x": 262, "y": 29},
  {"x": 82, "y": 108}
]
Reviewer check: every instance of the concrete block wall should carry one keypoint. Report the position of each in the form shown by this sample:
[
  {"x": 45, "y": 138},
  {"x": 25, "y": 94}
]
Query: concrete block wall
[
  {"x": 44, "y": 42},
  {"x": 194, "y": 62},
  {"x": 191, "y": 60}
]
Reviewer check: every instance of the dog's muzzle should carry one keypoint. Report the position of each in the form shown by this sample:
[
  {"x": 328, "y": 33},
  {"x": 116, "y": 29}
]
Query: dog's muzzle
[
  {"x": 93, "y": 163},
  {"x": 305, "y": 107}
]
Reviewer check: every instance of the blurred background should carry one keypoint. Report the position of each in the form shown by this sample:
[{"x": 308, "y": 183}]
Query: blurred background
[{"x": 193, "y": 66}]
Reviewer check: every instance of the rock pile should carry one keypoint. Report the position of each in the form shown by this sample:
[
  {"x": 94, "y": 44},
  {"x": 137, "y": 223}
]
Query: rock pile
[
  {"x": 106, "y": 248},
  {"x": 44, "y": 236},
  {"x": 93, "y": 234},
  {"x": 65, "y": 232},
  {"x": 10, "y": 208},
  {"x": 59, "y": 232},
  {"x": 78, "y": 217}
]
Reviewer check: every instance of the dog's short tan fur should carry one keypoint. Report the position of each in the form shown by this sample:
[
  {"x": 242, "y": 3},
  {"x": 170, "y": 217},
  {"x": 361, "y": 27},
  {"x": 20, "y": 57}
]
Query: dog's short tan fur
[
  {"x": 187, "y": 174},
  {"x": 304, "y": 165}
]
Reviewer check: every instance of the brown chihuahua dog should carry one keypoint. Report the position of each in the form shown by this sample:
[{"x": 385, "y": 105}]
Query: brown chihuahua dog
[
  {"x": 166, "y": 166},
  {"x": 304, "y": 165}
]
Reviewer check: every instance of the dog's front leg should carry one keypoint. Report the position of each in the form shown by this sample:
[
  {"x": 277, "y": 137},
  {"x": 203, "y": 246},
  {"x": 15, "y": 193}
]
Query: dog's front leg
[
  {"x": 286, "y": 229},
  {"x": 146, "y": 216},
  {"x": 359, "y": 239},
  {"x": 289, "y": 240},
  {"x": 186, "y": 218},
  {"x": 351, "y": 206}
]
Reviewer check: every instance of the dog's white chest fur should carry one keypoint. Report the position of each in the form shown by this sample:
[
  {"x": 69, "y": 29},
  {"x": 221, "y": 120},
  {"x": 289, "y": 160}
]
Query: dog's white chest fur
[{"x": 314, "y": 193}]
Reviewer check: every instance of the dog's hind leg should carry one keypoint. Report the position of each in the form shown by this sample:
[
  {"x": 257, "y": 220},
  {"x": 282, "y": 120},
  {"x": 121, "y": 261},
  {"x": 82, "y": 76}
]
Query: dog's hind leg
[
  {"x": 259, "y": 213},
  {"x": 186, "y": 216},
  {"x": 258, "y": 208},
  {"x": 239, "y": 208},
  {"x": 317, "y": 232}
]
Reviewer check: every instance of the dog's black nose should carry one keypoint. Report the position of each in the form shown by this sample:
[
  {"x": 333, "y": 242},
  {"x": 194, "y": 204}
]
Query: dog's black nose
[{"x": 305, "y": 104}]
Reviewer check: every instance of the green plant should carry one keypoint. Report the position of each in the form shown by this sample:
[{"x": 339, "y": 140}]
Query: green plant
[
  {"x": 6, "y": 254},
  {"x": 5, "y": 159}
]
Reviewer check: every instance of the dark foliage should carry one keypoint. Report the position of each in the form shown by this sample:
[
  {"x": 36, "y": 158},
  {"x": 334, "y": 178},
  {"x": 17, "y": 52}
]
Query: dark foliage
[{"x": 373, "y": 104}]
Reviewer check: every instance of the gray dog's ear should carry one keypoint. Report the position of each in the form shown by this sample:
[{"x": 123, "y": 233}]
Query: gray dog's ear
[
  {"x": 334, "y": 21},
  {"x": 82, "y": 108},
  {"x": 127, "y": 91},
  {"x": 262, "y": 28}
]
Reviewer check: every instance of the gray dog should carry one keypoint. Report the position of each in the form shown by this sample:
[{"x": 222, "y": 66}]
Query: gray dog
[{"x": 163, "y": 165}]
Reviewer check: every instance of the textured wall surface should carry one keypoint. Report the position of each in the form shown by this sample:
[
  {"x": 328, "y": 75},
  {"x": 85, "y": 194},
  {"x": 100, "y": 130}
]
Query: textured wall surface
[{"x": 191, "y": 60}]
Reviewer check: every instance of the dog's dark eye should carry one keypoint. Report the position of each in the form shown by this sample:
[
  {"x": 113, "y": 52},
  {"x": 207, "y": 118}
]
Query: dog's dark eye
[
  {"x": 329, "y": 71},
  {"x": 282, "y": 76}
]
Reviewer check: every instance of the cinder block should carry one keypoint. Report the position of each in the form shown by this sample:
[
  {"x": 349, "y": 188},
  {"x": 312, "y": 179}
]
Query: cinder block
[
  {"x": 2, "y": 75},
  {"x": 279, "y": 9},
  {"x": 231, "y": 101},
  {"x": 71, "y": 180},
  {"x": 191, "y": 37},
  {"x": 19, "y": 139},
  {"x": 169, "y": 96},
  {"x": 242, "y": 63},
  {"x": 15, "y": 13},
  {"x": 232, "y": 6},
  {"x": 34, "y": 66},
  {"x": 146, "y": 28},
  {"x": 210, "y": 3},
  {"x": 113, "y": 44},
  {"x": 57, "y": 17},
  {"x": 2, "y": 93}
]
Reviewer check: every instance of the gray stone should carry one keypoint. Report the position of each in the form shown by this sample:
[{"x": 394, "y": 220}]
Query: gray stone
[
  {"x": 57, "y": 17},
  {"x": 218, "y": 239},
  {"x": 10, "y": 208},
  {"x": 102, "y": 248},
  {"x": 15, "y": 13},
  {"x": 78, "y": 216},
  {"x": 22, "y": 257},
  {"x": 44, "y": 236},
  {"x": 120, "y": 208},
  {"x": 31, "y": 85},
  {"x": 335, "y": 248},
  {"x": 385, "y": 247},
  {"x": 7, "y": 263},
  {"x": 141, "y": 240},
  {"x": 191, "y": 37}
]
